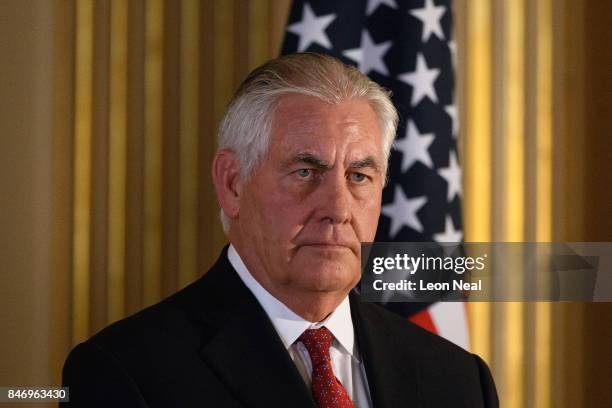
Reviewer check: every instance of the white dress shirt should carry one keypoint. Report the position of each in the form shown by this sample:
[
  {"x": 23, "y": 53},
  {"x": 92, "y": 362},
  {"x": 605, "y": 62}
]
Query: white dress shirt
[{"x": 346, "y": 361}]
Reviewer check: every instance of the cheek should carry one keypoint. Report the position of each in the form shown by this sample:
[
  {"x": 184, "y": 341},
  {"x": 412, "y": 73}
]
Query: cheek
[
  {"x": 275, "y": 215},
  {"x": 253, "y": 212},
  {"x": 367, "y": 213},
  {"x": 288, "y": 212}
]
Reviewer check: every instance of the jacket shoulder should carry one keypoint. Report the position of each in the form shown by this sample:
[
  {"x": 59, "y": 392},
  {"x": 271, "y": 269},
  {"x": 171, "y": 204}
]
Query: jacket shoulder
[
  {"x": 185, "y": 315},
  {"x": 439, "y": 362},
  {"x": 409, "y": 333}
]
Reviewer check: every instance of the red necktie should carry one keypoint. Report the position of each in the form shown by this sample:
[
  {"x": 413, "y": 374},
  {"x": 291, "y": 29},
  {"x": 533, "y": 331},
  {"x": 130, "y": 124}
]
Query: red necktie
[{"x": 327, "y": 391}]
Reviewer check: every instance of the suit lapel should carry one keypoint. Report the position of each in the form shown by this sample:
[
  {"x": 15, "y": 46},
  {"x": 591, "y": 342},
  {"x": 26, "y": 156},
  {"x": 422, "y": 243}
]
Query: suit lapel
[
  {"x": 392, "y": 372},
  {"x": 247, "y": 354}
]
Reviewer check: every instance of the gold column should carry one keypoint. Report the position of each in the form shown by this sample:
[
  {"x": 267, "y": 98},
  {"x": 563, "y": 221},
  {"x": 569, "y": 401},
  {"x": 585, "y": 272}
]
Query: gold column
[
  {"x": 571, "y": 205},
  {"x": 514, "y": 82},
  {"x": 544, "y": 121},
  {"x": 189, "y": 129},
  {"x": 544, "y": 192},
  {"x": 259, "y": 35},
  {"x": 117, "y": 160},
  {"x": 514, "y": 200},
  {"x": 278, "y": 11},
  {"x": 224, "y": 64},
  {"x": 478, "y": 153},
  {"x": 154, "y": 14},
  {"x": 62, "y": 227},
  {"x": 82, "y": 169}
]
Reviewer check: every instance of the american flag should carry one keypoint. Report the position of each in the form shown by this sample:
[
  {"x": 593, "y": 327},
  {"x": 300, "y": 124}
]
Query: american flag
[{"x": 406, "y": 46}]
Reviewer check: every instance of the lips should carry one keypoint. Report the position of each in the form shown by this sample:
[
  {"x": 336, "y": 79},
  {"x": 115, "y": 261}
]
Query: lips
[{"x": 327, "y": 245}]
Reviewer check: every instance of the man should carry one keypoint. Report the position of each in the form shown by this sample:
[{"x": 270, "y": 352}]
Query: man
[{"x": 299, "y": 174}]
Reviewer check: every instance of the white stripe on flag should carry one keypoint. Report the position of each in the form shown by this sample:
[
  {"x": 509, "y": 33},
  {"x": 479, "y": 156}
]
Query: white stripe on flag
[{"x": 451, "y": 322}]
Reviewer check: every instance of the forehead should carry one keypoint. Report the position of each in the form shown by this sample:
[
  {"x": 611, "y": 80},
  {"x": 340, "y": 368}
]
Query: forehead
[{"x": 307, "y": 122}]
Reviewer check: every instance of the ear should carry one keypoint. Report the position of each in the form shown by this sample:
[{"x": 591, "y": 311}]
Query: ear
[{"x": 226, "y": 178}]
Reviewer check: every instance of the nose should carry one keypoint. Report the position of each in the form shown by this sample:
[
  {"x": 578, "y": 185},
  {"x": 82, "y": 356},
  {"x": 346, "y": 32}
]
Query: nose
[{"x": 335, "y": 200}]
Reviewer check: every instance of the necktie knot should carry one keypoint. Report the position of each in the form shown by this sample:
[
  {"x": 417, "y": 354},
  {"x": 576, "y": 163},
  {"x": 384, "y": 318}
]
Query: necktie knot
[{"x": 317, "y": 342}]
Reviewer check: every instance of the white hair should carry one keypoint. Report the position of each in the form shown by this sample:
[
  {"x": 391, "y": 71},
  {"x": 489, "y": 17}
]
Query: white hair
[{"x": 246, "y": 126}]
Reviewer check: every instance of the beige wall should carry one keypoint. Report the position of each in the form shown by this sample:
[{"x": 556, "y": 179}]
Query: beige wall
[
  {"x": 26, "y": 120},
  {"x": 107, "y": 117}
]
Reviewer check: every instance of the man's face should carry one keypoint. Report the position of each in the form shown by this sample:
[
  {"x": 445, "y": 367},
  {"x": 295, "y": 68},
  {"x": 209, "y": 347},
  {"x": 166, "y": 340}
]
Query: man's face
[{"x": 314, "y": 197}]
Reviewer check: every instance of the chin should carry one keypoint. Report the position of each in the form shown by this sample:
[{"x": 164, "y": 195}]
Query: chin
[
  {"x": 326, "y": 270},
  {"x": 329, "y": 278}
]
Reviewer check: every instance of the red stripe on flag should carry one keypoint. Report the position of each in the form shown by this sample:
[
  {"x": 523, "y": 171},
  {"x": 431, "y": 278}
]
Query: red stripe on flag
[{"x": 423, "y": 319}]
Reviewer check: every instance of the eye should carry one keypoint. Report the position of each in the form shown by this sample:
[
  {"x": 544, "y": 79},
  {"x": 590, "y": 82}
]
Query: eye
[
  {"x": 358, "y": 177},
  {"x": 304, "y": 173}
]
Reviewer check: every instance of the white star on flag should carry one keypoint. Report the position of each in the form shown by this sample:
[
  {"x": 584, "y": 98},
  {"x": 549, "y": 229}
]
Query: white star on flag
[
  {"x": 452, "y": 112},
  {"x": 369, "y": 55},
  {"x": 430, "y": 16},
  {"x": 399, "y": 274},
  {"x": 403, "y": 211},
  {"x": 373, "y": 5},
  {"x": 450, "y": 234},
  {"x": 414, "y": 147},
  {"x": 422, "y": 81},
  {"x": 312, "y": 29},
  {"x": 452, "y": 175}
]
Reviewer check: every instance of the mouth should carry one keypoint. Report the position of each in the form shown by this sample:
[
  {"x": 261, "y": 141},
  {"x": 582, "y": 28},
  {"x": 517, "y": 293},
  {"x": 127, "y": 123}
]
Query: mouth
[{"x": 326, "y": 246}]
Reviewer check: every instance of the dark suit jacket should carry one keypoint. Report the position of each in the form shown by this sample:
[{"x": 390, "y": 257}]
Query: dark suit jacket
[{"x": 212, "y": 345}]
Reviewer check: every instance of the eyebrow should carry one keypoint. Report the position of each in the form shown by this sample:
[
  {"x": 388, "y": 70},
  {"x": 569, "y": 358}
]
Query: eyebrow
[
  {"x": 307, "y": 158},
  {"x": 366, "y": 162},
  {"x": 313, "y": 160}
]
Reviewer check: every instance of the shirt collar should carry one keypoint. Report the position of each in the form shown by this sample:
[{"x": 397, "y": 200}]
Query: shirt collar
[{"x": 287, "y": 323}]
